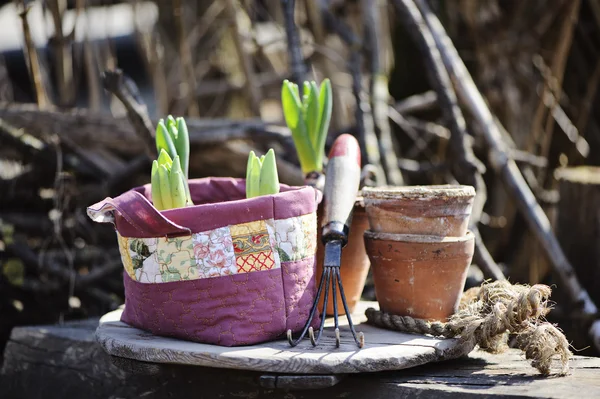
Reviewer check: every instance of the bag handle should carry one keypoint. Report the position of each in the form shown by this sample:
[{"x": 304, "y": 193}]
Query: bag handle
[{"x": 138, "y": 212}]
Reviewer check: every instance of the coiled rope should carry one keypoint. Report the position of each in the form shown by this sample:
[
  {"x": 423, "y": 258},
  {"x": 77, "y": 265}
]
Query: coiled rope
[{"x": 487, "y": 315}]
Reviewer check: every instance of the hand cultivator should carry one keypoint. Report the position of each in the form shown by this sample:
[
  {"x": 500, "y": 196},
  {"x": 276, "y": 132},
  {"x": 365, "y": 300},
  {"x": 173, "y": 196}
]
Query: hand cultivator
[{"x": 341, "y": 187}]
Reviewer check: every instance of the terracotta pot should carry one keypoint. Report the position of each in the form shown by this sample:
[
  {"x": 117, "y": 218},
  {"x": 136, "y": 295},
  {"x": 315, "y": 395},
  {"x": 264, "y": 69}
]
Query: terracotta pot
[
  {"x": 355, "y": 262},
  {"x": 419, "y": 276},
  {"x": 429, "y": 210}
]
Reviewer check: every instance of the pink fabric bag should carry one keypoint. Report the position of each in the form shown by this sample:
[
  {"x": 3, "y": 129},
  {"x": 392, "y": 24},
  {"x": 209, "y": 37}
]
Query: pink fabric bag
[{"x": 228, "y": 271}]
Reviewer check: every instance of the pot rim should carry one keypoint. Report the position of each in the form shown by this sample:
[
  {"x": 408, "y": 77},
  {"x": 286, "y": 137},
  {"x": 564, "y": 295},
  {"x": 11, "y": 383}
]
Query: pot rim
[
  {"x": 418, "y": 238},
  {"x": 425, "y": 192}
]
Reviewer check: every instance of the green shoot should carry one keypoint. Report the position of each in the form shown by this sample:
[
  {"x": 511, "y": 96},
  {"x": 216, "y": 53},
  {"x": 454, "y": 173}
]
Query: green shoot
[
  {"x": 169, "y": 176},
  {"x": 308, "y": 119},
  {"x": 261, "y": 175}
]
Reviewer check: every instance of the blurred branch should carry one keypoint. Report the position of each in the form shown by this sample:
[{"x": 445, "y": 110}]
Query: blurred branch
[
  {"x": 590, "y": 95},
  {"x": 28, "y": 145},
  {"x": 525, "y": 157},
  {"x": 359, "y": 111},
  {"x": 412, "y": 166},
  {"x": 152, "y": 55},
  {"x": 6, "y": 85},
  {"x": 417, "y": 102},
  {"x": 136, "y": 112},
  {"x": 338, "y": 27},
  {"x": 296, "y": 59},
  {"x": 32, "y": 60},
  {"x": 558, "y": 115},
  {"x": 559, "y": 64},
  {"x": 30, "y": 258},
  {"x": 62, "y": 51},
  {"x": 98, "y": 273},
  {"x": 541, "y": 194},
  {"x": 431, "y": 128},
  {"x": 84, "y": 127},
  {"x": 365, "y": 133},
  {"x": 410, "y": 127},
  {"x": 580, "y": 144},
  {"x": 92, "y": 75},
  {"x": 314, "y": 13},
  {"x": 187, "y": 64},
  {"x": 93, "y": 130},
  {"x": 202, "y": 26},
  {"x": 252, "y": 91},
  {"x": 116, "y": 179},
  {"x": 379, "y": 91}
]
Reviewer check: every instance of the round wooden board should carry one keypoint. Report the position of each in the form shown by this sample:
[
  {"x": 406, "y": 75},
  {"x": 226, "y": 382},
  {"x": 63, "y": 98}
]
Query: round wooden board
[{"x": 383, "y": 350}]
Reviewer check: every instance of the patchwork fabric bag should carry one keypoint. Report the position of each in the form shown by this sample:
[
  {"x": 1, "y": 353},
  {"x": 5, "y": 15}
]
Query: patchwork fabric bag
[{"x": 227, "y": 271}]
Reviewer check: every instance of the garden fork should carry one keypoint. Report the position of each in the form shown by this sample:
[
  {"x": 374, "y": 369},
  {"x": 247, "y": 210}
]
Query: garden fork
[{"x": 342, "y": 181}]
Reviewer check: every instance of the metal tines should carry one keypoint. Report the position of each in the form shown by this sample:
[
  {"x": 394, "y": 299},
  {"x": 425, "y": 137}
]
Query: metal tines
[{"x": 330, "y": 278}]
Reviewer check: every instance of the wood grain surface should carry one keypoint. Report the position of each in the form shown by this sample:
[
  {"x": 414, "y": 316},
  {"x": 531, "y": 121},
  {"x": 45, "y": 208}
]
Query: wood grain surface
[{"x": 384, "y": 350}]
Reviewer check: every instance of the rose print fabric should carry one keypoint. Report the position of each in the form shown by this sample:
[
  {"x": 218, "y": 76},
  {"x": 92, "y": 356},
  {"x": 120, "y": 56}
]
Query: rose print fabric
[
  {"x": 235, "y": 249},
  {"x": 213, "y": 252}
]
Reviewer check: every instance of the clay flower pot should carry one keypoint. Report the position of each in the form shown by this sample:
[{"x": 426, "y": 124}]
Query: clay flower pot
[
  {"x": 419, "y": 276},
  {"x": 429, "y": 210},
  {"x": 355, "y": 262}
]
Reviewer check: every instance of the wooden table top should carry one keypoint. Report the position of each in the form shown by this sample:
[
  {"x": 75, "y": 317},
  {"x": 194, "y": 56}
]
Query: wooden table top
[{"x": 384, "y": 349}]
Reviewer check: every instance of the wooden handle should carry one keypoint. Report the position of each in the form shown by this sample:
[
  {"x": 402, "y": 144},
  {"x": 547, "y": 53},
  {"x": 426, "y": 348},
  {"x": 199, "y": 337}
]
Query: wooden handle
[{"x": 342, "y": 179}]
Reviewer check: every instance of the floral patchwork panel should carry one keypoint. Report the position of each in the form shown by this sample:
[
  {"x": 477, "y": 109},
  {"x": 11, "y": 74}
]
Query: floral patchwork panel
[
  {"x": 296, "y": 237},
  {"x": 241, "y": 248},
  {"x": 214, "y": 253},
  {"x": 126, "y": 255}
]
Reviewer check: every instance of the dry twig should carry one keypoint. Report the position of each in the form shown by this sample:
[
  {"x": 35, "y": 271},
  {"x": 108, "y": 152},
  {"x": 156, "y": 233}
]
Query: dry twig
[
  {"x": 252, "y": 90},
  {"x": 553, "y": 86},
  {"x": 187, "y": 64},
  {"x": 137, "y": 113},
  {"x": 62, "y": 49},
  {"x": 315, "y": 17},
  {"x": 379, "y": 92},
  {"x": 32, "y": 60},
  {"x": 297, "y": 66},
  {"x": 418, "y": 102}
]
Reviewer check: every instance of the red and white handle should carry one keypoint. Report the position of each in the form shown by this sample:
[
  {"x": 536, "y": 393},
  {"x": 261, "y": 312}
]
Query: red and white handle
[{"x": 342, "y": 180}]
